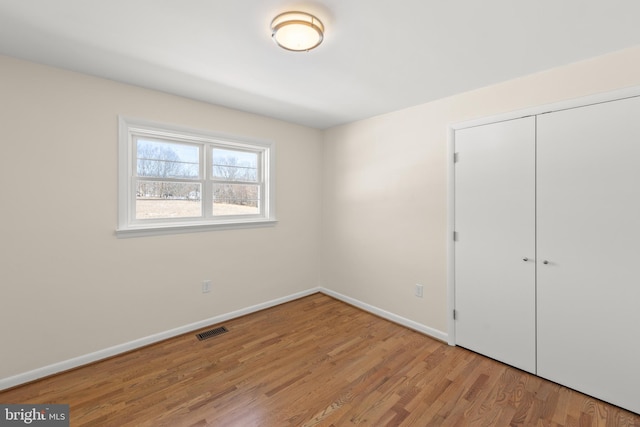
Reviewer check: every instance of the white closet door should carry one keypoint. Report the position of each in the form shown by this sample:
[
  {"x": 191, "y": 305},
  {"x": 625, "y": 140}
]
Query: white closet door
[
  {"x": 495, "y": 247},
  {"x": 588, "y": 191}
]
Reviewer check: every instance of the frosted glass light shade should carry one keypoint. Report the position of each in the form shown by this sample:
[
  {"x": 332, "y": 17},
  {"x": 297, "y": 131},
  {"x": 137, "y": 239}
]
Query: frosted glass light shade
[{"x": 297, "y": 31}]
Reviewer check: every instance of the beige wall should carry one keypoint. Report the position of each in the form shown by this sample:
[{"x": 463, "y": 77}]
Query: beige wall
[
  {"x": 385, "y": 186},
  {"x": 69, "y": 287}
]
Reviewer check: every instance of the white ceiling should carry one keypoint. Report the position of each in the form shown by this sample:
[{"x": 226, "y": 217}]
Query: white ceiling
[{"x": 377, "y": 56}]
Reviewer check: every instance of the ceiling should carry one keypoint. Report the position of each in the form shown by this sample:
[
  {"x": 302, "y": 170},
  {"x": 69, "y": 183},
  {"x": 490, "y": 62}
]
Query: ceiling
[{"x": 378, "y": 55}]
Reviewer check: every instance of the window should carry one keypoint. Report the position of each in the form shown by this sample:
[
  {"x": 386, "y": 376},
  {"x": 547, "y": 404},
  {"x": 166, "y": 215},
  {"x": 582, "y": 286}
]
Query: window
[{"x": 174, "y": 180}]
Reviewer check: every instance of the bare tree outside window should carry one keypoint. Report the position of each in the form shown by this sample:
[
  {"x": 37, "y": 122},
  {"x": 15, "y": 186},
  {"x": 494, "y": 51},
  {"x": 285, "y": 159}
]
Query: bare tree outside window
[
  {"x": 236, "y": 175},
  {"x": 160, "y": 196},
  {"x": 165, "y": 169}
]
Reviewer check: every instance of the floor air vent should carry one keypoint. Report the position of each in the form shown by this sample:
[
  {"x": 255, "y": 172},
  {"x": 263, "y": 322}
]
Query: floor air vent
[{"x": 212, "y": 333}]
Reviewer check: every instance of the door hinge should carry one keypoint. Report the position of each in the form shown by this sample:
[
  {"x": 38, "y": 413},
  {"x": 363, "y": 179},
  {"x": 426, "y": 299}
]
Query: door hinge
[
  {"x": 456, "y": 157},
  {"x": 454, "y": 315},
  {"x": 455, "y": 236}
]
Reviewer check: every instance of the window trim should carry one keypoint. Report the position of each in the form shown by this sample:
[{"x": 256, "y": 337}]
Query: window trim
[{"x": 131, "y": 128}]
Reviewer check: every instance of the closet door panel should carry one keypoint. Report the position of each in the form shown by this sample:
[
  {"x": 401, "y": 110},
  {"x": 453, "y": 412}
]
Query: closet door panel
[
  {"x": 494, "y": 221},
  {"x": 588, "y": 294}
]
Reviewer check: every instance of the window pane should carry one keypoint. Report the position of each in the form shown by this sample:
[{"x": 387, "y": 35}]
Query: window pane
[
  {"x": 157, "y": 199},
  {"x": 231, "y": 165},
  {"x": 167, "y": 160},
  {"x": 236, "y": 199}
]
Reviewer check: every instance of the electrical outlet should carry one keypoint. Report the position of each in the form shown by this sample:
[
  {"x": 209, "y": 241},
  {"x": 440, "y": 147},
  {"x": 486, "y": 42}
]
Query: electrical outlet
[
  {"x": 206, "y": 286},
  {"x": 419, "y": 290}
]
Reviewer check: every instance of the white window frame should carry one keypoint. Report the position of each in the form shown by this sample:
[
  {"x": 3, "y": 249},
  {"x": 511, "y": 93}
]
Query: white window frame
[{"x": 128, "y": 226}]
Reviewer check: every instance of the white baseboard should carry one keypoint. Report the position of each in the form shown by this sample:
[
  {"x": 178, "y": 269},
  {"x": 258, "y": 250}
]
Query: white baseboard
[
  {"x": 65, "y": 365},
  {"x": 434, "y": 333}
]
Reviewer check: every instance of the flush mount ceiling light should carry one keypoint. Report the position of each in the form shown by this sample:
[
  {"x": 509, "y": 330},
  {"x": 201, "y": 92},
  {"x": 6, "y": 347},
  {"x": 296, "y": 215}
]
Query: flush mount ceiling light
[{"x": 297, "y": 31}]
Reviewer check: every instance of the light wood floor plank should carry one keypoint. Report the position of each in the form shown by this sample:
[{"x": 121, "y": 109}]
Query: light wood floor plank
[{"x": 313, "y": 362}]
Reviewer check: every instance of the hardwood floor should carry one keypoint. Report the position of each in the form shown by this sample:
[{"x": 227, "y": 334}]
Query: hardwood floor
[{"x": 312, "y": 362}]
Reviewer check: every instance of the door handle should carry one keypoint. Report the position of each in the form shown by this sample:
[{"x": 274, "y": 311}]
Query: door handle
[
  {"x": 545, "y": 262},
  {"x": 525, "y": 259}
]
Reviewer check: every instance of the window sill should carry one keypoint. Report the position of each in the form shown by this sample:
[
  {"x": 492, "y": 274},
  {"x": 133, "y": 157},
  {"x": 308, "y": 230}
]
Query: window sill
[{"x": 160, "y": 230}]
